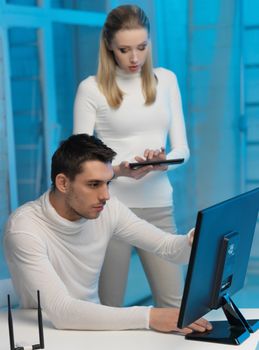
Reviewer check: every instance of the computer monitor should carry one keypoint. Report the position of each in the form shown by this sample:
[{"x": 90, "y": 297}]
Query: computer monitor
[{"x": 217, "y": 268}]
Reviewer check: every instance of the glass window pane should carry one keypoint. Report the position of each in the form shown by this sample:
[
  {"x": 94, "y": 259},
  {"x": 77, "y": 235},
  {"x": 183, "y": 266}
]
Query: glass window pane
[
  {"x": 5, "y": 204},
  {"x": 83, "y": 5},
  {"x": 26, "y": 91},
  {"x": 75, "y": 55},
  {"x": 24, "y": 2},
  {"x": 4, "y": 184}
]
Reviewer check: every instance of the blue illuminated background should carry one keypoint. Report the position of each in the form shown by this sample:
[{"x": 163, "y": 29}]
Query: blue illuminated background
[{"x": 212, "y": 46}]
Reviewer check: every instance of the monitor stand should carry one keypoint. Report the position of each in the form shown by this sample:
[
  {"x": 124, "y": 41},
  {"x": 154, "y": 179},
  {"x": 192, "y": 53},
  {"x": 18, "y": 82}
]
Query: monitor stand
[{"x": 233, "y": 331}]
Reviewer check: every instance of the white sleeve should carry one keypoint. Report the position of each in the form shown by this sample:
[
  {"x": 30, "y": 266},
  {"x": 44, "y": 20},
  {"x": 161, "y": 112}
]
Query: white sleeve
[
  {"x": 31, "y": 271},
  {"x": 140, "y": 233},
  {"x": 177, "y": 132},
  {"x": 85, "y": 107}
]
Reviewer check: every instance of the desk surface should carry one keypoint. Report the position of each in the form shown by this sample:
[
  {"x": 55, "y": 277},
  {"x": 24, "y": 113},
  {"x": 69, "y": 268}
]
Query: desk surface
[{"x": 26, "y": 333}]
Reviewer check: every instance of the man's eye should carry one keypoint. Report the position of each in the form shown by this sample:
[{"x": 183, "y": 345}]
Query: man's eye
[{"x": 93, "y": 185}]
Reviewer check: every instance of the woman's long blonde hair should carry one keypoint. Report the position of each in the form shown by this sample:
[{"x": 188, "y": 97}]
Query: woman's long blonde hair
[{"x": 124, "y": 17}]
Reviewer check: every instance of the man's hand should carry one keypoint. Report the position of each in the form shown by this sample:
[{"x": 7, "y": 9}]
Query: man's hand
[
  {"x": 191, "y": 234},
  {"x": 165, "y": 320}
]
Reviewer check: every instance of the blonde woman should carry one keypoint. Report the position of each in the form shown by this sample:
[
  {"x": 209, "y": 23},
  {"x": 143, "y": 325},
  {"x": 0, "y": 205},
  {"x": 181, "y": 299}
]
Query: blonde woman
[{"x": 133, "y": 108}]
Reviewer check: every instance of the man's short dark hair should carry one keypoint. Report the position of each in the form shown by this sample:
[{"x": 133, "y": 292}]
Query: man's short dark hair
[{"x": 74, "y": 151}]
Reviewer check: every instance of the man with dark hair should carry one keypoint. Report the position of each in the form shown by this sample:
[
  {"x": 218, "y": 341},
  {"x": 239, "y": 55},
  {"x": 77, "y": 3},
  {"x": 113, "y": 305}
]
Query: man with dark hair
[
  {"x": 76, "y": 150},
  {"x": 56, "y": 244}
]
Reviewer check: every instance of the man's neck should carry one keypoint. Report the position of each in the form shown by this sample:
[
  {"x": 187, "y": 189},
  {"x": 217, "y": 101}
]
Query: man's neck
[{"x": 58, "y": 202}]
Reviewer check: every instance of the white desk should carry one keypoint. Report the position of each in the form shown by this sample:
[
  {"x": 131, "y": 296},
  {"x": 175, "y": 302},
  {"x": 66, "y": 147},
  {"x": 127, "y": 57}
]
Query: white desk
[{"x": 26, "y": 332}]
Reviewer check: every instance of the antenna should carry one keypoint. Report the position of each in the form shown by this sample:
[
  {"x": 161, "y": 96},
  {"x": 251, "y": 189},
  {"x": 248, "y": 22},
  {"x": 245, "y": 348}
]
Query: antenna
[
  {"x": 10, "y": 324},
  {"x": 40, "y": 327}
]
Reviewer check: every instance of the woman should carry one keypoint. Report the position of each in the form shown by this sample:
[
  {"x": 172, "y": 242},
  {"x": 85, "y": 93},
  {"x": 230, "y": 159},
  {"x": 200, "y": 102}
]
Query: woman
[{"x": 133, "y": 108}]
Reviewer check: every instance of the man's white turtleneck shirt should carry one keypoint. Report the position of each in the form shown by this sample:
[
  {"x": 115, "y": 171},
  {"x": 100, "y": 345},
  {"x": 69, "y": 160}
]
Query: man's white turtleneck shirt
[
  {"x": 62, "y": 259},
  {"x": 134, "y": 127}
]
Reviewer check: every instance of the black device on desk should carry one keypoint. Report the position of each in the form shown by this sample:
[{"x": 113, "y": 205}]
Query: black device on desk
[
  {"x": 11, "y": 331},
  {"x": 217, "y": 268},
  {"x": 156, "y": 162}
]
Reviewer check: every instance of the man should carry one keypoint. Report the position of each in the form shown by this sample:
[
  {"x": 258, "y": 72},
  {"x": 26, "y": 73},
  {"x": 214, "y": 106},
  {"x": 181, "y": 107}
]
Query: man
[{"x": 56, "y": 244}]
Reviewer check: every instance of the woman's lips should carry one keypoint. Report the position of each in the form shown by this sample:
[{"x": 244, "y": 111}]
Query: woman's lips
[{"x": 134, "y": 68}]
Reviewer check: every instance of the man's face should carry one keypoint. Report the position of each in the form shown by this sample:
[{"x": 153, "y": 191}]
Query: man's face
[{"x": 87, "y": 194}]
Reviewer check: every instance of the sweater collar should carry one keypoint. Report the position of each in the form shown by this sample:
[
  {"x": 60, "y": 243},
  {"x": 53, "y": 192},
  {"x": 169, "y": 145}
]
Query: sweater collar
[{"x": 120, "y": 73}]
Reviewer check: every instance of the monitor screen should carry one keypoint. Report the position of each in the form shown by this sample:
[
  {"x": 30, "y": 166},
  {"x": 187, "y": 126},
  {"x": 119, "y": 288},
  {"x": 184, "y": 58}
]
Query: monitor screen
[{"x": 218, "y": 264}]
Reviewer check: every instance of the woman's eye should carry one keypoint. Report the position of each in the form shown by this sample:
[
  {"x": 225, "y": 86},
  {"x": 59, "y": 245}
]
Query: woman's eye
[
  {"x": 122, "y": 50},
  {"x": 142, "y": 48}
]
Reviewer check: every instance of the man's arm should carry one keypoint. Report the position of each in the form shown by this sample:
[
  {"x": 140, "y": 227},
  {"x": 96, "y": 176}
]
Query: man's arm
[
  {"x": 141, "y": 234},
  {"x": 31, "y": 270}
]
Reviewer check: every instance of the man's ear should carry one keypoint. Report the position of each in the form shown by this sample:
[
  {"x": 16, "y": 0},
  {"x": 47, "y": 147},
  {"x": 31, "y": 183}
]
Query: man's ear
[{"x": 62, "y": 182}]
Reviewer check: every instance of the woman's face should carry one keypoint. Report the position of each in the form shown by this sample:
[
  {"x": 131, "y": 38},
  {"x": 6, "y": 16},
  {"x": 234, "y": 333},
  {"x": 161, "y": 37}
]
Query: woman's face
[{"x": 130, "y": 48}]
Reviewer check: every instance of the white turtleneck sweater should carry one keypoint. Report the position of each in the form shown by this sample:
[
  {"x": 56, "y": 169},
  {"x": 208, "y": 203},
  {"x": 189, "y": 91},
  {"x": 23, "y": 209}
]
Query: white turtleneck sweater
[
  {"x": 63, "y": 260},
  {"x": 134, "y": 127}
]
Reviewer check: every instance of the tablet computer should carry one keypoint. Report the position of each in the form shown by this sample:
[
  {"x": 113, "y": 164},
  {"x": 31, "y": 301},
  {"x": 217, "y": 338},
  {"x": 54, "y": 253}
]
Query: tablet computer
[{"x": 156, "y": 162}]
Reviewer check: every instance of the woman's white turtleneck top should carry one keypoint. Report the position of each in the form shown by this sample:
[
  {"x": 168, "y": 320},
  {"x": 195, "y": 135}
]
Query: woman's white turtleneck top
[{"x": 134, "y": 127}]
